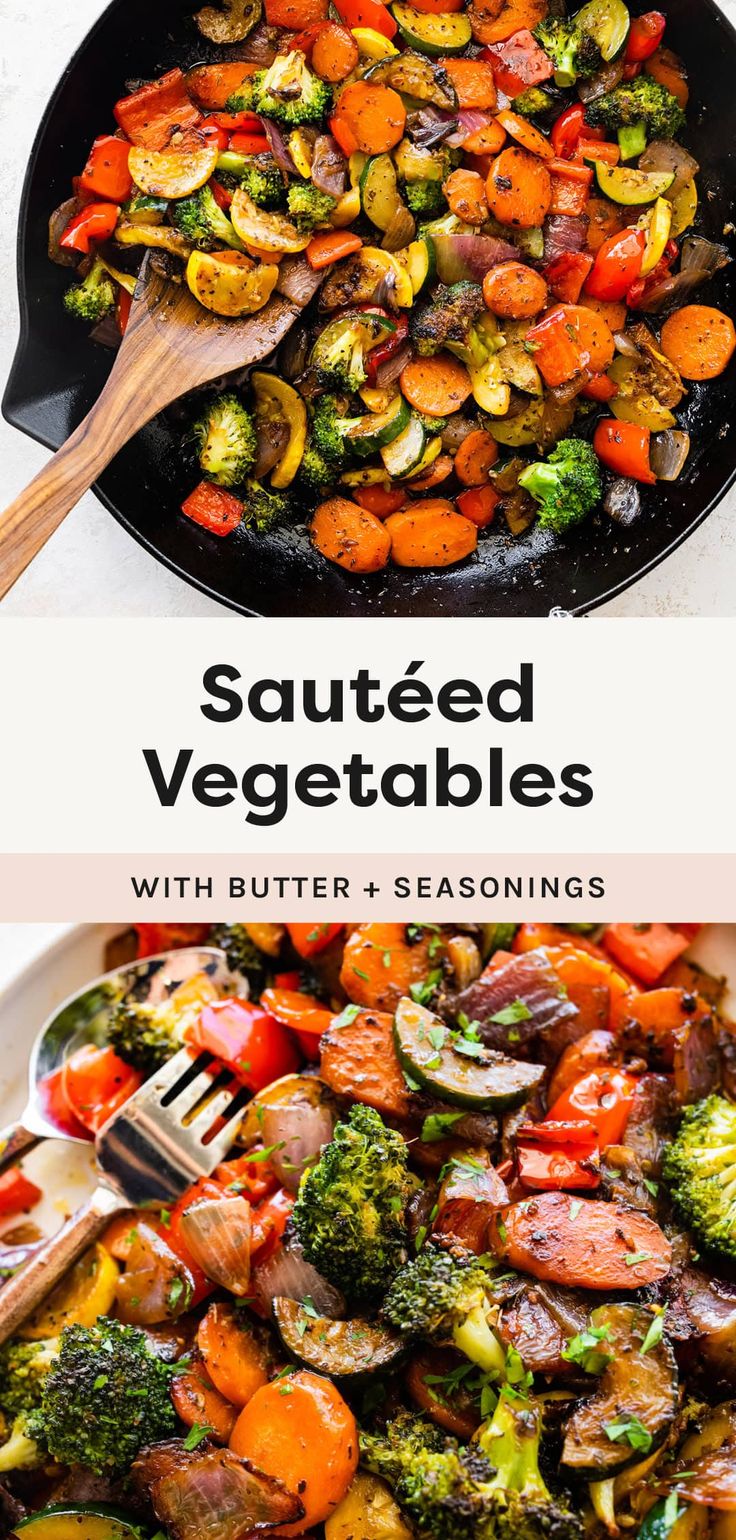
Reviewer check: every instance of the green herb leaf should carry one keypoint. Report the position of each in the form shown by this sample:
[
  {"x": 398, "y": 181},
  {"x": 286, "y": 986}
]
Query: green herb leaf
[
  {"x": 585, "y": 1349},
  {"x": 516, "y": 1011},
  {"x": 438, "y": 1125},
  {"x": 633, "y": 1258},
  {"x": 654, "y": 1334},
  {"x": 349, "y": 1014},
  {"x": 630, "y": 1430},
  {"x": 197, "y": 1432}
]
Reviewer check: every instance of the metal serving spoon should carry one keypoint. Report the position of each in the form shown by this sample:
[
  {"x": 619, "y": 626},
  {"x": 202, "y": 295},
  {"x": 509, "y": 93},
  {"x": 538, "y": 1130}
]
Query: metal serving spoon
[
  {"x": 171, "y": 345},
  {"x": 83, "y": 1018}
]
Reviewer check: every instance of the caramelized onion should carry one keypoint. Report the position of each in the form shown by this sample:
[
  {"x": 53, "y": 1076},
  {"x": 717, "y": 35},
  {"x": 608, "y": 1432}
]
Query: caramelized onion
[
  {"x": 622, "y": 501},
  {"x": 700, "y": 260},
  {"x": 470, "y": 256},
  {"x": 468, "y": 122},
  {"x": 58, "y": 222},
  {"x": 429, "y": 126},
  {"x": 289, "y": 1275},
  {"x": 277, "y": 146},
  {"x": 296, "y": 1132},
  {"x": 391, "y": 367},
  {"x": 604, "y": 81},
  {"x": 329, "y": 166},
  {"x": 668, "y": 453},
  {"x": 156, "y": 1285},
  {"x": 562, "y": 233},
  {"x": 217, "y": 1232},
  {"x": 666, "y": 155}
]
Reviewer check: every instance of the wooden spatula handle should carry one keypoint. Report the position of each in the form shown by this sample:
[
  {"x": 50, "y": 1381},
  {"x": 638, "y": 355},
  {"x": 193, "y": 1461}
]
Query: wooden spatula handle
[
  {"x": 28, "y": 1288},
  {"x": 38, "y": 511}
]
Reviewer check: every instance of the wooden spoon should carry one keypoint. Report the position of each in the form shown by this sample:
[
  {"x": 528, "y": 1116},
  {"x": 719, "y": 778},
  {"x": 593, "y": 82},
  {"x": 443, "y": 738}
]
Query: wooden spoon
[{"x": 171, "y": 344}]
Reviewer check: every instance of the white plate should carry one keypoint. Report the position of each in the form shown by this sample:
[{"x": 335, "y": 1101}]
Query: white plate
[{"x": 64, "y": 1171}]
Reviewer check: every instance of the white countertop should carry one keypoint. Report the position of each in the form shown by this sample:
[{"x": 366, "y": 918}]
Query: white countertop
[{"x": 91, "y": 566}]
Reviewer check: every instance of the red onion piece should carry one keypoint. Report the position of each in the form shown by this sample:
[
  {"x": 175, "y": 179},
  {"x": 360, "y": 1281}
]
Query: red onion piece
[
  {"x": 666, "y": 155},
  {"x": 271, "y": 441},
  {"x": 700, "y": 260},
  {"x": 156, "y": 1285},
  {"x": 457, "y": 429},
  {"x": 606, "y": 80},
  {"x": 401, "y": 230},
  {"x": 470, "y": 256},
  {"x": 564, "y": 232},
  {"x": 429, "y": 126},
  {"x": 278, "y": 148},
  {"x": 58, "y": 222},
  {"x": 329, "y": 166},
  {"x": 297, "y": 1130},
  {"x": 668, "y": 453},
  {"x": 468, "y": 122},
  {"x": 627, "y": 346},
  {"x": 297, "y": 280},
  {"x": 217, "y": 1232},
  {"x": 288, "y": 1275},
  {"x": 622, "y": 502},
  {"x": 391, "y": 368},
  {"x": 553, "y": 1020},
  {"x": 260, "y": 47}
]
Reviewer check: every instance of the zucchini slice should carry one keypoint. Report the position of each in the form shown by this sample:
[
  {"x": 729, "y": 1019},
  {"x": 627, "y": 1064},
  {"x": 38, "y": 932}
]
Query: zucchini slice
[
  {"x": 420, "y": 263},
  {"x": 376, "y": 429},
  {"x": 634, "y": 1387},
  {"x": 342, "y": 1349},
  {"x": 79, "y": 1521},
  {"x": 407, "y": 450},
  {"x": 432, "y": 452},
  {"x": 488, "y": 1081},
  {"x": 622, "y": 184},
  {"x": 413, "y": 74},
  {"x": 607, "y": 22},
  {"x": 443, "y": 34},
  {"x": 379, "y": 191}
]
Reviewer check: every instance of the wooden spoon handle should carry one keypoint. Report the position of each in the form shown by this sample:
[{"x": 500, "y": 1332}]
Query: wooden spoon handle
[
  {"x": 28, "y": 1288},
  {"x": 38, "y": 511}
]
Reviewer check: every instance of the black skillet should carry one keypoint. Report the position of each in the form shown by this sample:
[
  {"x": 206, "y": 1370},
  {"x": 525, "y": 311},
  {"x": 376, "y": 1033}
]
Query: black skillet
[{"x": 58, "y": 372}]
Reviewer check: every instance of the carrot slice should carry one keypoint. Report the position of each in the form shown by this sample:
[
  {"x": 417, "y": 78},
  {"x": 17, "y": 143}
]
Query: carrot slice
[
  {"x": 197, "y": 1402},
  {"x": 437, "y": 386},
  {"x": 350, "y": 536},
  {"x": 474, "y": 83},
  {"x": 379, "y": 965},
  {"x": 304, "y": 1433},
  {"x": 234, "y": 1358},
  {"x": 466, "y": 194},
  {"x": 213, "y": 84},
  {"x": 331, "y": 246},
  {"x": 519, "y": 189},
  {"x": 515, "y": 291},
  {"x": 358, "y": 1060},
  {"x": 485, "y": 141},
  {"x": 374, "y": 116},
  {"x": 431, "y": 535},
  {"x": 494, "y": 20},
  {"x": 380, "y": 500},
  {"x": 665, "y": 67},
  {"x": 585, "y": 1244},
  {"x": 335, "y": 52},
  {"x": 596, "y": 1050},
  {"x": 604, "y": 220},
  {"x": 477, "y": 453},
  {"x": 700, "y": 341},
  {"x": 525, "y": 134},
  {"x": 437, "y": 473},
  {"x": 612, "y": 311}
]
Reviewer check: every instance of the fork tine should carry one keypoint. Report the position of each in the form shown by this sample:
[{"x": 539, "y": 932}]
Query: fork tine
[
  {"x": 182, "y": 1103},
  {"x": 216, "y": 1109},
  {"x": 218, "y": 1146},
  {"x": 181, "y": 1067}
]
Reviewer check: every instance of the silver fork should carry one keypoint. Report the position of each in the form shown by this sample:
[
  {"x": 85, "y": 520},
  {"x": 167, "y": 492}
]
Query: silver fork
[{"x": 176, "y": 1128}]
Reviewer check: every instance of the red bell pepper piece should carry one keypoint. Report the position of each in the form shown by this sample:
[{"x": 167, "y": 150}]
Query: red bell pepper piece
[
  {"x": 518, "y": 62},
  {"x": 153, "y": 939},
  {"x": 691, "y": 931},
  {"x": 308, "y": 940},
  {"x": 222, "y": 195},
  {"x": 624, "y": 449},
  {"x": 305, "y": 41},
  {"x": 568, "y": 130},
  {"x": 479, "y": 504},
  {"x": 645, "y": 950},
  {"x": 571, "y": 184},
  {"x": 575, "y": 1131},
  {"x": 603, "y": 1098},
  {"x": 249, "y": 122},
  {"x": 291, "y": 980},
  {"x": 640, "y": 290},
  {"x": 550, "y": 1166},
  {"x": 567, "y": 274},
  {"x": 214, "y": 133},
  {"x": 556, "y": 349},
  {"x": 617, "y": 265},
  {"x": 215, "y": 509},
  {"x": 247, "y": 143},
  {"x": 268, "y": 1222},
  {"x": 599, "y": 388},
  {"x": 247, "y": 1039},
  {"x": 367, "y": 13},
  {"x": 17, "y": 1192},
  {"x": 55, "y": 1106},
  {"x": 106, "y": 173},
  {"x": 95, "y": 222},
  {"x": 150, "y": 116},
  {"x": 645, "y": 35},
  {"x": 253, "y": 1179},
  {"x": 123, "y": 305},
  {"x": 96, "y": 1083},
  {"x": 386, "y": 349}
]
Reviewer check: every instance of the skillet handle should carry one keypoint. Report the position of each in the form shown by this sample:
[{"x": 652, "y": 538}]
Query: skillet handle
[
  {"x": 38, "y": 511},
  {"x": 28, "y": 1288}
]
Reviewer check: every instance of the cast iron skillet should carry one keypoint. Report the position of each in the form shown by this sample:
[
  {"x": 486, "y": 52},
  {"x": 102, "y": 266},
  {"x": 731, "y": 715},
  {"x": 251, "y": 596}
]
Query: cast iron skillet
[{"x": 58, "y": 372}]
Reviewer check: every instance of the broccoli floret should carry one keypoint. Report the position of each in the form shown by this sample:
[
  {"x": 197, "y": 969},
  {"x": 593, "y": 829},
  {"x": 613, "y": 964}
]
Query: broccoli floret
[
  {"x": 289, "y": 92},
  {"x": 567, "y": 485},
  {"x": 24, "y": 1367},
  {"x": 443, "y": 1295},
  {"x": 700, "y": 1168},
  {"x": 535, "y": 102},
  {"x": 242, "y": 954},
  {"x": 349, "y": 1214},
  {"x": 492, "y": 1490},
  {"x": 449, "y": 321},
  {"x": 257, "y": 174},
  {"x": 265, "y": 508},
  {"x": 329, "y": 428},
  {"x": 315, "y": 472},
  {"x": 574, "y": 53},
  {"x": 94, "y": 297},
  {"x": 105, "y": 1397},
  {"x": 308, "y": 207},
  {"x": 143, "y": 1035},
  {"x": 338, "y": 355},
  {"x": 226, "y": 440},
  {"x": 200, "y": 218},
  {"x": 425, "y": 198},
  {"x": 642, "y": 100}
]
